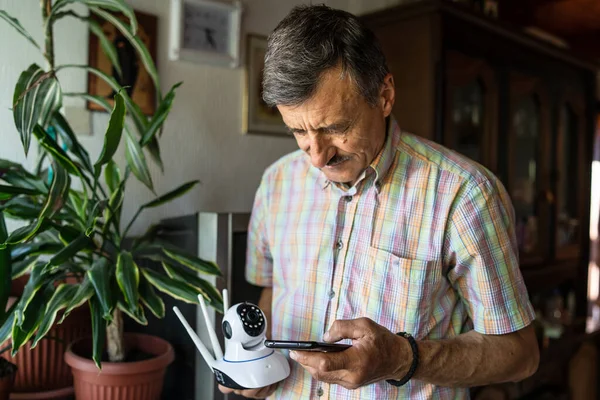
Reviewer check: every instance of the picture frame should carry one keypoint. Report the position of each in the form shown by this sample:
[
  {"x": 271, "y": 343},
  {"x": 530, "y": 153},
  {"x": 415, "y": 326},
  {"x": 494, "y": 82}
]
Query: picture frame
[
  {"x": 136, "y": 80},
  {"x": 258, "y": 117},
  {"x": 205, "y": 32}
]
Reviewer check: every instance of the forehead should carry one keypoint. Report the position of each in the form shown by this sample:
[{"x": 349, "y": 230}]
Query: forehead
[{"x": 335, "y": 97}]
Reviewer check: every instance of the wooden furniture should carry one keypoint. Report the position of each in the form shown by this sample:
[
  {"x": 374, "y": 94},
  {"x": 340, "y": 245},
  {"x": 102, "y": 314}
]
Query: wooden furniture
[{"x": 523, "y": 108}]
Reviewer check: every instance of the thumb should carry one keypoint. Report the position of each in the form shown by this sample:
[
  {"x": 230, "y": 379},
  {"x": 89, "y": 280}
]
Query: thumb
[{"x": 346, "y": 329}]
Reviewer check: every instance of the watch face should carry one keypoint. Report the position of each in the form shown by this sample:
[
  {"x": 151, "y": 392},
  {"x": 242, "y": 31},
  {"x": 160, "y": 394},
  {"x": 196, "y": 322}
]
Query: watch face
[{"x": 206, "y": 28}]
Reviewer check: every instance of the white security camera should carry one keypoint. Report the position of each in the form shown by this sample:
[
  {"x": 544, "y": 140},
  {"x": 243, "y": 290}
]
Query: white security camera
[{"x": 247, "y": 363}]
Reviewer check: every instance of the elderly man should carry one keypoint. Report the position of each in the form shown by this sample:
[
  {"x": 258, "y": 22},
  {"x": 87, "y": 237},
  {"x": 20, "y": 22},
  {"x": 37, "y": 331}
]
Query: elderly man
[{"x": 374, "y": 235}]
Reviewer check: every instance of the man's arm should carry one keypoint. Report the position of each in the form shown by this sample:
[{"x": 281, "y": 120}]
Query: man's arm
[{"x": 470, "y": 359}]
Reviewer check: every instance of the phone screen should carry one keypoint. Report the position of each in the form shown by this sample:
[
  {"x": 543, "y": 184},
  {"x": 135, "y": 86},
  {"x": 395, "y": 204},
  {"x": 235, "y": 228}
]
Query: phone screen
[{"x": 306, "y": 345}]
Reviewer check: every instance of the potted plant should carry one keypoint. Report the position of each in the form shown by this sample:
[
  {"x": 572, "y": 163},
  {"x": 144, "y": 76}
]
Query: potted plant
[
  {"x": 73, "y": 243},
  {"x": 7, "y": 369}
]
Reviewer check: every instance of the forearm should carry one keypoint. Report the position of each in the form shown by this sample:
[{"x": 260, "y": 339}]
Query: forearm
[{"x": 474, "y": 359}]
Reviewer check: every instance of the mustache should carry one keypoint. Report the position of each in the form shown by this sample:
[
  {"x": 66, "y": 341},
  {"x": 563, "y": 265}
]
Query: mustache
[{"x": 337, "y": 159}]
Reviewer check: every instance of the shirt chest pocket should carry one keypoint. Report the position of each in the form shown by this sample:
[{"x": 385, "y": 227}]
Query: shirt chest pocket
[{"x": 400, "y": 293}]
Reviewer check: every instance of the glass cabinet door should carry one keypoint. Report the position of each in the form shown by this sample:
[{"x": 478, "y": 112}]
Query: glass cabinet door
[
  {"x": 527, "y": 175},
  {"x": 568, "y": 199},
  {"x": 471, "y": 98}
]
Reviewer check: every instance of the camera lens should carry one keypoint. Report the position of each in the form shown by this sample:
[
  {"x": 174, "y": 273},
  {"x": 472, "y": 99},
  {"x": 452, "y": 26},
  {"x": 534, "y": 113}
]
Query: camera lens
[{"x": 252, "y": 316}]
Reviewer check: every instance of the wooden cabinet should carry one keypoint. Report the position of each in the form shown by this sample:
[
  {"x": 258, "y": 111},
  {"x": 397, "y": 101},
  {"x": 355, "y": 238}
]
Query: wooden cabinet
[{"x": 523, "y": 108}]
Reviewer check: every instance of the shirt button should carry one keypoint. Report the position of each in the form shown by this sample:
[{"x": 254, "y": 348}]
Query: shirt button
[
  {"x": 348, "y": 199},
  {"x": 331, "y": 294},
  {"x": 320, "y": 392},
  {"x": 339, "y": 244}
]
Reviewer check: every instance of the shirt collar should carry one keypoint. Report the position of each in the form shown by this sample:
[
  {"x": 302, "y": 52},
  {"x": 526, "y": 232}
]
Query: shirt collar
[{"x": 382, "y": 163}]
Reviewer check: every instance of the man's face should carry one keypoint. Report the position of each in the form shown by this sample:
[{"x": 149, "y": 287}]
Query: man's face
[{"x": 337, "y": 128}]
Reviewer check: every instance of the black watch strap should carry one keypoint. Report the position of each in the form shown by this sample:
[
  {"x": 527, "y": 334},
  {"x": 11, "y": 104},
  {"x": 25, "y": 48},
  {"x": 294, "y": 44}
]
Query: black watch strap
[{"x": 415, "y": 361}]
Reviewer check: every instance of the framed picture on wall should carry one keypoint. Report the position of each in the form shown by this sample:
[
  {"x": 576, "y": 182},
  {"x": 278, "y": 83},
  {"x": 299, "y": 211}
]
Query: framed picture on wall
[
  {"x": 133, "y": 76},
  {"x": 258, "y": 117}
]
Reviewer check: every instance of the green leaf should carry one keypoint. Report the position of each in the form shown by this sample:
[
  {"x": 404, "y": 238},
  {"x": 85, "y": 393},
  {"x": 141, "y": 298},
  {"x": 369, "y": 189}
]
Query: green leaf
[
  {"x": 21, "y": 251},
  {"x": 32, "y": 317},
  {"x": 17, "y": 25},
  {"x": 107, "y": 45},
  {"x": 24, "y": 233},
  {"x": 176, "y": 289},
  {"x": 69, "y": 251},
  {"x": 150, "y": 299},
  {"x": 98, "y": 331},
  {"x": 134, "y": 110},
  {"x": 37, "y": 96},
  {"x": 66, "y": 133},
  {"x": 136, "y": 42},
  {"x": 113, "y": 211},
  {"x": 7, "y": 324},
  {"x": 160, "y": 115},
  {"x": 59, "y": 191},
  {"x": 112, "y": 175},
  {"x": 36, "y": 280},
  {"x": 112, "y": 137},
  {"x": 5, "y": 269},
  {"x": 60, "y": 299},
  {"x": 113, "y": 5},
  {"x": 16, "y": 175},
  {"x": 99, "y": 275},
  {"x": 165, "y": 198},
  {"x": 22, "y": 208},
  {"x": 8, "y": 192},
  {"x": 137, "y": 161},
  {"x": 85, "y": 290},
  {"x": 20, "y": 268},
  {"x": 128, "y": 278},
  {"x": 55, "y": 151},
  {"x": 66, "y": 233},
  {"x": 208, "y": 291},
  {"x": 192, "y": 262},
  {"x": 94, "y": 215},
  {"x": 138, "y": 316}
]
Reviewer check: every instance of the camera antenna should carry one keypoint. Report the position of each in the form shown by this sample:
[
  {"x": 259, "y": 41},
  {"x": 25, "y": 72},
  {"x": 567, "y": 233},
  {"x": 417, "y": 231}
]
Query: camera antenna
[{"x": 211, "y": 330}]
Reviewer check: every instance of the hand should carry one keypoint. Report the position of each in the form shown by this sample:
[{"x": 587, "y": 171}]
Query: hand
[
  {"x": 376, "y": 354},
  {"x": 259, "y": 393}
]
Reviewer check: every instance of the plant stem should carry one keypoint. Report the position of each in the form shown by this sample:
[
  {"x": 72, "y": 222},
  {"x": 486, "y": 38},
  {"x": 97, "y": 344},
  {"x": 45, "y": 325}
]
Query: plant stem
[
  {"x": 115, "y": 345},
  {"x": 137, "y": 214},
  {"x": 49, "y": 46}
]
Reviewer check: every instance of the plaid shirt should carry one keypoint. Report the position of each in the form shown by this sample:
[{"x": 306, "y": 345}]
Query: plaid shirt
[{"x": 423, "y": 243}]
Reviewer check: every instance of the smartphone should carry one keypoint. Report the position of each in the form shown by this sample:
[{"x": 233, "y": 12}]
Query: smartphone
[{"x": 306, "y": 346}]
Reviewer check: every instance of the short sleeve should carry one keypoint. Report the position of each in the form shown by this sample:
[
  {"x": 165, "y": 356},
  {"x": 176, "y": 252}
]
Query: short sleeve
[
  {"x": 482, "y": 252},
  {"x": 259, "y": 263}
]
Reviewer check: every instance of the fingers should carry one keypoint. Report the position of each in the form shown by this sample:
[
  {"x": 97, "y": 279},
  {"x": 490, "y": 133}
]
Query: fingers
[
  {"x": 347, "y": 329},
  {"x": 259, "y": 393},
  {"x": 225, "y": 390},
  {"x": 322, "y": 361}
]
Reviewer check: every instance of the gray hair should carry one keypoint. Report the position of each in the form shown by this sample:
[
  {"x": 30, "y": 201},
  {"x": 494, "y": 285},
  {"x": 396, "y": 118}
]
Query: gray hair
[{"x": 313, "y": 39}]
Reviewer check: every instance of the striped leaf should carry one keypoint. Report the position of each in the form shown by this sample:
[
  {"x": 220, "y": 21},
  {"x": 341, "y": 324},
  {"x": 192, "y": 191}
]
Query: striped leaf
[
  {"x": 17, "y": 25},
  {"x": 150, "y": 299},
  {"x": 112, "y": 175},
  {"x": 21, "y": 251},
  {"x": 112, "y": 137},
  {"x": 22, "y": 208},
  {"x": 138, "y": 316},
  {"x": 5, "y": 269},
  {"x": 160, "y": 115},
  {"x": 37, "y": 96},
  {"x": 137, "y": 161},
  {"x": 20, "y": 268},
  {"x": 55, "y": 151},
  {"x": 37, "y": 279},
  {"x": 82, "y": 242},
  {"x": 208, "y": 291},
  {"x": 16, "y": 175},
  {"x": 167, "y": 197},
  {"x": 98, "y": 330},
  {"x": 112, "y": 5},
  {"x": 33, "y": 316},
  {"x": 107, "y": 46},
  {"x": 60, "y": 299},
  {"x": 191, "y": 261},
  {"x": 70, "y": 139},
  {"x": 128, "y": 279},
  {"x": 136, "y": 42},
  {"x": 59, "y": 192},
  {"x": 177, "y": 290},
  {"x": 7, "y": 324},
  {"x": 99, "y": 275},
  {"x": 113, "y": 211},
  {"x": 85, "y": 290},
  {"x": 8, "y": 192},
  {"x": 94, "y": 215},
  {"x": 24, "y": 233}
]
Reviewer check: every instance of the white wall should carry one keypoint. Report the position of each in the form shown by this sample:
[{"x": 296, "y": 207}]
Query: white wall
[{"x": 202, "y": 137}]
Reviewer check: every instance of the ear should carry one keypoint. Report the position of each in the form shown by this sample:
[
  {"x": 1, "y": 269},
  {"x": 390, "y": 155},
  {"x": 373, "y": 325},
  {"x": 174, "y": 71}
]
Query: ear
[{"x": 387, "y": 95}]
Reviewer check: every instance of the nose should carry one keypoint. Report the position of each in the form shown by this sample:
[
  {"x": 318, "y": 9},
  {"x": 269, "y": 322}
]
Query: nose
[{"x": 319, "y": 151}]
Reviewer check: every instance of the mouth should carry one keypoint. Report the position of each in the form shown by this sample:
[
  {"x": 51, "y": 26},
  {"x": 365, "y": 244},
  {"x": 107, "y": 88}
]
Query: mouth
[{"x": 336, "y": 160}]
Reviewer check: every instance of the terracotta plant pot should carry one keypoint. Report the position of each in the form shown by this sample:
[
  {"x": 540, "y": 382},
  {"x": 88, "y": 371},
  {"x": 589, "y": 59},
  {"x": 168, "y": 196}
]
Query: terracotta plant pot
[
  {"x": 136, "y": 380},
  {"x": 6, "y": 379},
  {"x": 43, "y": 373}
]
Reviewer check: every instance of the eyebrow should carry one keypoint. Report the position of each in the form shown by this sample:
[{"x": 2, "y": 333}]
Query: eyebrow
[{"x": 331, "y": 127}]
